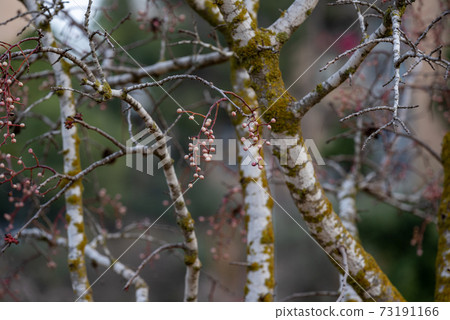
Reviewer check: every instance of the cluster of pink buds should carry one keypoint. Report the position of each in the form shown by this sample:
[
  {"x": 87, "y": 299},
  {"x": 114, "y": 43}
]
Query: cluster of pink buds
[
  {"x": 254, "y": 137},
  {"x": 23, "y": 189},
  {"x": 201, "y": 147},
  {"x": 8, "y": 103},
  {"x": 252, "y": 126}
]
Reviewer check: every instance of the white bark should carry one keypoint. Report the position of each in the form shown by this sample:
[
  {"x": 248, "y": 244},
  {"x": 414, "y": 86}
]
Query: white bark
[
  {"x": 239, "y": 21},
  {"x": 252, "y": 8},
  {"x": 208, "y": 10},
  {"x": 76, "y": 238},
  {"x": 327, "y": 228},
  {"x": 258, "y": 204},
  {"x": 348, "y": 214},
  {"x": 396, "y": 20},
  {"x": 163, "y": 67},
  {"x": 293, "y": 17}
]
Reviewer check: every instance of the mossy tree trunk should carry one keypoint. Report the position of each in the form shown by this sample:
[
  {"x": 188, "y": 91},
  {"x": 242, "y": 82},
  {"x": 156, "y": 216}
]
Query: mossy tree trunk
[
  {"x": 257, "y": 199},
  {"x": 257, "y": 50}
]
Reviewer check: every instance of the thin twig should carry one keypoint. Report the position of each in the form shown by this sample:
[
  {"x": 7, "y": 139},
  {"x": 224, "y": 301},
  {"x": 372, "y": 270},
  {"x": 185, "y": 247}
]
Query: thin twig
[{"x": 149, "y": 257}]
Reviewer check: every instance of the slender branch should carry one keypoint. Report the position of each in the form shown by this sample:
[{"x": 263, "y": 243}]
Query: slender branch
[
  {"x": 163, "y": 67},
  {"x": 362, "y": 22},
  {"x": 347, "y": 52},
  {"x": 371, "y": 4},
  {"x": 377, "y": 108},
  {"x": 168, "y": 246},
  {"x": 312, "y": 98},
  {"x": 431, "y": 25},
  {"x": 184, "y": 218},
  {"x": 95, "y": 256}
]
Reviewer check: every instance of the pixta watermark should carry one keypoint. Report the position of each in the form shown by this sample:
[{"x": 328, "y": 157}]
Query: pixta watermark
[{"x": 142, "y": 145}]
